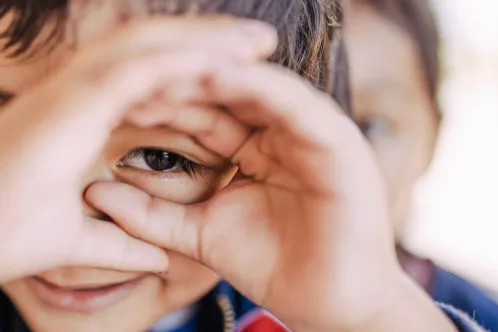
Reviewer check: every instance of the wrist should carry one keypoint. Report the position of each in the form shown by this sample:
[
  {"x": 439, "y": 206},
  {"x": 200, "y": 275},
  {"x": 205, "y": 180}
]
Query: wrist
[
  {"x": 406, "y": 308},
  {"x": 403, "y": 306}
]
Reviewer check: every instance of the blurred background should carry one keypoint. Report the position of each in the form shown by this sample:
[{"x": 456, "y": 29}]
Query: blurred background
[{"x": 455, "y": 212}]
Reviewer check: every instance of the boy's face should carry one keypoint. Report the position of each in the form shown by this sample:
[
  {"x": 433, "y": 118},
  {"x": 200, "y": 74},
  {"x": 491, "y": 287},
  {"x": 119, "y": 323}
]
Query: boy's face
[
  {"x": 86, "y": 299},
  {"x": 391, "y": 102}
]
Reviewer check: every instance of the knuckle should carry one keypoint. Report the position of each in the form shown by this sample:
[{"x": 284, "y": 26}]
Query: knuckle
[
  {"x": 143, "y": 222},
  {"x": 210, "y": 127}
]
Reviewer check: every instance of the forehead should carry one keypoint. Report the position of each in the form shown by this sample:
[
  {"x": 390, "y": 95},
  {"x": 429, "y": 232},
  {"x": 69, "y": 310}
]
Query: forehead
[
  {"x": 88, "y": 19},
  {"x": 380, "y": 52},
  {"x": 18, "y": 73},
  {"x": 83, "y": 24},
  {"x": 85, "y": 21}
]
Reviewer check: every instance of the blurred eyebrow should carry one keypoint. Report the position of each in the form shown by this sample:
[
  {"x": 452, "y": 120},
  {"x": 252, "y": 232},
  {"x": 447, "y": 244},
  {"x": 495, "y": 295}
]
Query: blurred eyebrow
[
  {"x": 382, "y": 85},
  {"x": 383, "y": 88}
]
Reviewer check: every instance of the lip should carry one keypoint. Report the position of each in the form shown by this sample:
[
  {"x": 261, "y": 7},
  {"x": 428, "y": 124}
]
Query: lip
[{"x": 82, "y": 299}]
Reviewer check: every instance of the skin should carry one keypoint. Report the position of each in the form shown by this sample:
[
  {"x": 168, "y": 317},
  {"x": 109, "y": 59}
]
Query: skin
[
  {"x": 155, "y": 295},
  {"x": 392, "y": 104},
  {"x": 301, "y": 220}
]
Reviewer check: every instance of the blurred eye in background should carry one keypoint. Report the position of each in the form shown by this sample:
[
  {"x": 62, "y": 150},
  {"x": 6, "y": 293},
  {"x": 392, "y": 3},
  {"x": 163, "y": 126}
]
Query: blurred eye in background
[{"x": 375, "y": 128}]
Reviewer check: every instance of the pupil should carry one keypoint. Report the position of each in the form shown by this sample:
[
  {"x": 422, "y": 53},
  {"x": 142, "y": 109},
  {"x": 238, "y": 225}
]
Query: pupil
[{"x": 160, "y": 161}]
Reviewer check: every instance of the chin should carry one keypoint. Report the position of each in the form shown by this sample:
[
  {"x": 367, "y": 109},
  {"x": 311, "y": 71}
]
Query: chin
[{"x": 54, "y": 307}]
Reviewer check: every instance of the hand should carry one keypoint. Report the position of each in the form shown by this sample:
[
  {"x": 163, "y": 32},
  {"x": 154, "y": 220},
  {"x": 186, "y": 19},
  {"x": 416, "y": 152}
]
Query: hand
[
  {"x": 52, "y": 135},
  {"x": 305, "y": 234}
]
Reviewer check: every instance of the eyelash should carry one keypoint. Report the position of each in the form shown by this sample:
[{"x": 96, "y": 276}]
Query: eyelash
[{"x": 192, "y": 169}]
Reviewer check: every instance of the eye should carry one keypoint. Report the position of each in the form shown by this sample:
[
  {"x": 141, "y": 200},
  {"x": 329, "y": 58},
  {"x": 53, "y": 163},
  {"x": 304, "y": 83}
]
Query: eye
[
  {"x": 375, "y": 128},
  {"x": 160, "y": 162}
]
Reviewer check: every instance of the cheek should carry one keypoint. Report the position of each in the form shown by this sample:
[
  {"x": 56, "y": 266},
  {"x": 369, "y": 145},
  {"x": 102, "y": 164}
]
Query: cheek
[
  {"x": 183, "y": 190},
  {"x": 392, "y": 153},
  {"x": 402, "y": 162},
  {"x": 395, "y": 160}
]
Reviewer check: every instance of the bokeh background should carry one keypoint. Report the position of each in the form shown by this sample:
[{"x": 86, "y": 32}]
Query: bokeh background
[{"x": 455, "y": 209}]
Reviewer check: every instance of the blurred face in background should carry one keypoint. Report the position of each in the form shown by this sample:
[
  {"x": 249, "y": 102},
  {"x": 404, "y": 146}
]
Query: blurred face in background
[{"x": 391, "y": 102}]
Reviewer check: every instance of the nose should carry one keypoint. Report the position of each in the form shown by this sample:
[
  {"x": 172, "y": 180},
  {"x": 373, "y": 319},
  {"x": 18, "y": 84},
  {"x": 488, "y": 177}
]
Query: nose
[{"x": 99, "y": 172}]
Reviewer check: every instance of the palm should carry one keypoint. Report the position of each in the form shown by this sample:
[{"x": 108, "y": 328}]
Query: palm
[
  {"x": 259, "y": 222},
  {"x": 274, "y": 228}
]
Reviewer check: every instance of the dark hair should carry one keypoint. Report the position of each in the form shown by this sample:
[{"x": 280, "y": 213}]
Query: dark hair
[
  {"x": 306, "y": 27},
  {"x": 417, "y": 19},
  {"x": 339, "y": 74}
]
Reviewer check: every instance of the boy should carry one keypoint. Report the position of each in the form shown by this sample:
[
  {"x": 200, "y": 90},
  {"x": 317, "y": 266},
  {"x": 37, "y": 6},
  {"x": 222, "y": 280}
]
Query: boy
[
  {"x": 402, "y": 123},
  {"x": 140, "y": 106}
]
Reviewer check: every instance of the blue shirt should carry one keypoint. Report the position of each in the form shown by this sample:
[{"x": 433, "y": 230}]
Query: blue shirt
[
  {"x": 466, "y": 297},
  {"x": 210, "y": 318}
]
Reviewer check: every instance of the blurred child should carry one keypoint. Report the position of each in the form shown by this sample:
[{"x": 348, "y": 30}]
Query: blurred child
[{"x": 393, "y": 48}]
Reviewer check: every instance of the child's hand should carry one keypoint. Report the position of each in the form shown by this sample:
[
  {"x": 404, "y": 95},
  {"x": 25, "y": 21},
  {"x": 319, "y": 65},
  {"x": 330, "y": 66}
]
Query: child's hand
[
  {"x": 306, "y": 233},
  {"x": 52, "y": 135}
]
